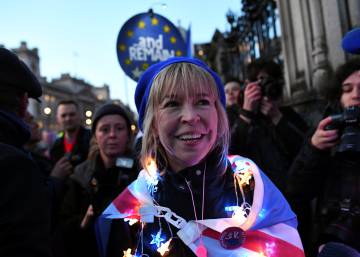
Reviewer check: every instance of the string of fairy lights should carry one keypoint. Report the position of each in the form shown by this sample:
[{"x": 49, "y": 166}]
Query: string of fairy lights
[{"x": 243, "y": 173}]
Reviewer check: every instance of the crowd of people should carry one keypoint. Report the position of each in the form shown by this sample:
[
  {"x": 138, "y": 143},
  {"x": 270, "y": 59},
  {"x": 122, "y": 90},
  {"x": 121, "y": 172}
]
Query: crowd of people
[{"x": 224, "y": 156}]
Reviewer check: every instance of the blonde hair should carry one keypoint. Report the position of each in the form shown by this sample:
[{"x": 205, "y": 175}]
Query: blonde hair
[{"x": 191, "y": 80}]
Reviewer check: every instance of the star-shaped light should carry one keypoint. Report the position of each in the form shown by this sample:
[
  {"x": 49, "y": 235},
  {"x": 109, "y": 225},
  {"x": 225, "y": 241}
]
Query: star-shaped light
[
  {"x": 178, "y": 53},
  {"x": 245, "y": 178},
  {"x": 136, "y": 72},
  {"x": 127, "y": 253},
  {"x": 239, "y": 214},
  {"x": 157, "y": 239},
  {"x": 153, "y": 178},
  {"x": 164, "y": 247},
  {"x": 128, "y": 61},
  {"x": 262, "y": 213},
  {"x": 130, "y": 221},
  {"x": 270, "y": 248}
]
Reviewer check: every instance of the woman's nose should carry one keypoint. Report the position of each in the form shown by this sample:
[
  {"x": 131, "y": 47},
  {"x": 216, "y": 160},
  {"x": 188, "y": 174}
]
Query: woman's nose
[
  {"x": 189, "y": 114},
  {"x": 357, "y": 91},
  {"x": 112, "y": 132}
]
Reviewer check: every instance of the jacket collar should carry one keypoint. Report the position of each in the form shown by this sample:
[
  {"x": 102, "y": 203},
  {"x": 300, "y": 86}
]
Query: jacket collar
[{"x": 13, "y": 130}]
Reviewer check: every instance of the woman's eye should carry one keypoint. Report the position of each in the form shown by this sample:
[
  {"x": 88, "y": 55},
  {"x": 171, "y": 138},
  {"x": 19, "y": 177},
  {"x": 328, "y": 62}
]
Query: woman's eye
[
  {"x": 104, "y": 130},
  {"x": 120, "y": 128},
  {"x": 203, "y": 102},
  {"x": 171, "y": 104},
  {"x": 346, "y": 88}
]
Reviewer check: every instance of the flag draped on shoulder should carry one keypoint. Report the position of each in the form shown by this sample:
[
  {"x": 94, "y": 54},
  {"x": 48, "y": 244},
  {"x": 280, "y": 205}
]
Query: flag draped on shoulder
[{"x": 269, "y": 229}]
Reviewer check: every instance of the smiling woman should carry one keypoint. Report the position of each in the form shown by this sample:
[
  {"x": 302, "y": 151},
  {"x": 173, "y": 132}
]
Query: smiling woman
[
  {"x": 187, "y": 110},
  {"x": 191, "y": 198}
]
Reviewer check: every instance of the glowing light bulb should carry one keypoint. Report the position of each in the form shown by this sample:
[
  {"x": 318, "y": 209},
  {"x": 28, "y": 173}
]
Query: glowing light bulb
[
  {"x": 127, "y": 253},
  {"x": 157, "y": 239},
  {"x": 130, "y": 221},
  {"x": 239, "y": 214},
  {"x": 152, "y": 168},
  {"x": 152, "y": 179},
  {"x": 164, "y": 247}
]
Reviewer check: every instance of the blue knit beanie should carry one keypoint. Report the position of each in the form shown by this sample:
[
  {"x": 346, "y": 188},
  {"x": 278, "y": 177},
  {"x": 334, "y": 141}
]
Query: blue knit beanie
[
  {"x": 145, "y": 82},
  {"x": 351, "y": 41}
]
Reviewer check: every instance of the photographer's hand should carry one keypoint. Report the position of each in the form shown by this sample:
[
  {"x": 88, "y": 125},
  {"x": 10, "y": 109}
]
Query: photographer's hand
[
  {"x": 252, "y": 96},
  {"x": 324, "y": 139},
  {"x": 62, "y": 168},
  {"x": 270, "y": 109},
  {"x": 88, "y": 215}
]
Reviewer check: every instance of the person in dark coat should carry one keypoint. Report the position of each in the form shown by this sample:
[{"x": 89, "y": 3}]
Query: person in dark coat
[
  {"x": 24, "y": 200},
  {"x": 72, "y": 142},
  {"x": 324, "y": 172},
  {"x": 108, "y": 170},
  {"x": 269, "y": 134}
]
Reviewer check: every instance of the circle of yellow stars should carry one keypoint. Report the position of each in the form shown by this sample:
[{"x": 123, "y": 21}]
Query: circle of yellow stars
[{"x": 142, "y": 25}]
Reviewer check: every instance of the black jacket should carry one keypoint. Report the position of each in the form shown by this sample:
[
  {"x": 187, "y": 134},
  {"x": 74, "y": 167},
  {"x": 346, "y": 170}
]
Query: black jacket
[
  {"x": 334, "y": 180},
  {"x": 92, "y": 184},
  {"x": 271, "y": 147},
  {"x": 24, "y": 200},
  {"x": 174, "y": 192},
  {"x": 80, "y": 151}
]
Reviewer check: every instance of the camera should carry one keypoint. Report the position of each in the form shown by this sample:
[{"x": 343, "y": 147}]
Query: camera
[
  {"x": 348, "y": 124},
  {"x": 123, "y": 162},
  {"x": 271, "y": 87},
  {"x": 343, "y": 224}
]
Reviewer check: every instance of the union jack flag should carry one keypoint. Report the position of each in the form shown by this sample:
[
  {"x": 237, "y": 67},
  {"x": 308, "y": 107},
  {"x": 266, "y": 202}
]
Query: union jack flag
[{"x": 270, "y": 227}]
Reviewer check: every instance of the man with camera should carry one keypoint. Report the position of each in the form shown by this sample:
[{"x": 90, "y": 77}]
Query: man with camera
[
  {"x": 268, "y": 134},
  {"x": 328, "y": 168},
  {"x": 24, "y": 199}
]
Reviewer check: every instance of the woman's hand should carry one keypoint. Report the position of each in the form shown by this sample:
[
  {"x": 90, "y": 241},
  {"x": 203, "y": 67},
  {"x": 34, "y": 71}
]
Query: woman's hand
[
  {"x": 324, "y": 139},
  {"x": 88, "y": 215}
]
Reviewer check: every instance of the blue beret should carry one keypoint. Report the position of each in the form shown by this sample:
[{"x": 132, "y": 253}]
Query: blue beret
[
  {"x": 15, "y": 75},
  {"x": 351, "y": 41},
  {"x": 145, "y": 82}
]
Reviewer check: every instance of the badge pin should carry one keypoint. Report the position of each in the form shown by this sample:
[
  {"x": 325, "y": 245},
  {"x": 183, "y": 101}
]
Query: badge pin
[{"x": 232, "y": 238}]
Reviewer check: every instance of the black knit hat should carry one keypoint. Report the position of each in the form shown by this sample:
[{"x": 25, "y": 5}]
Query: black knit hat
[
  {"x": 109, "y": 109},
  {"x": 15, "y": 75}
]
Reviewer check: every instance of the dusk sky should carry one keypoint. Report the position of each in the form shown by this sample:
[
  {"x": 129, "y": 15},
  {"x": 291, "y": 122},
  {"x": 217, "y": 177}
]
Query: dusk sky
[{"x": 79, "y": 37}]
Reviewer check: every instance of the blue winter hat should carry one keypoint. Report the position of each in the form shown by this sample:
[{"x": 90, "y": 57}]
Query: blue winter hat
[
  {"x": 145, "y": 82},
  {"x": 351, "y": 41}
]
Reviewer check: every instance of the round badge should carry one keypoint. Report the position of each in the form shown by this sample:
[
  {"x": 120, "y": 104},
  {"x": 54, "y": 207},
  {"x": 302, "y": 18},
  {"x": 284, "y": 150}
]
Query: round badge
[
  {"x": 232, "y": 238},
  {"x": 146, "y": 39}
]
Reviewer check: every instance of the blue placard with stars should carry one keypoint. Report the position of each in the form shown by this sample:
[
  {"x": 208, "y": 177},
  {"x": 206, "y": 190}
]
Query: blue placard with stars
[{"x": 145, "y": 39}]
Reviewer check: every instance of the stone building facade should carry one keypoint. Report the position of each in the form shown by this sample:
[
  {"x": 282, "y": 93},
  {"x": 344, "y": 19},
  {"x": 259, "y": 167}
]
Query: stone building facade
[
  {"x": 65, "y": 87},
  {"x": 312, "y": 31},
  {"x": 309, "y": 49}
]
